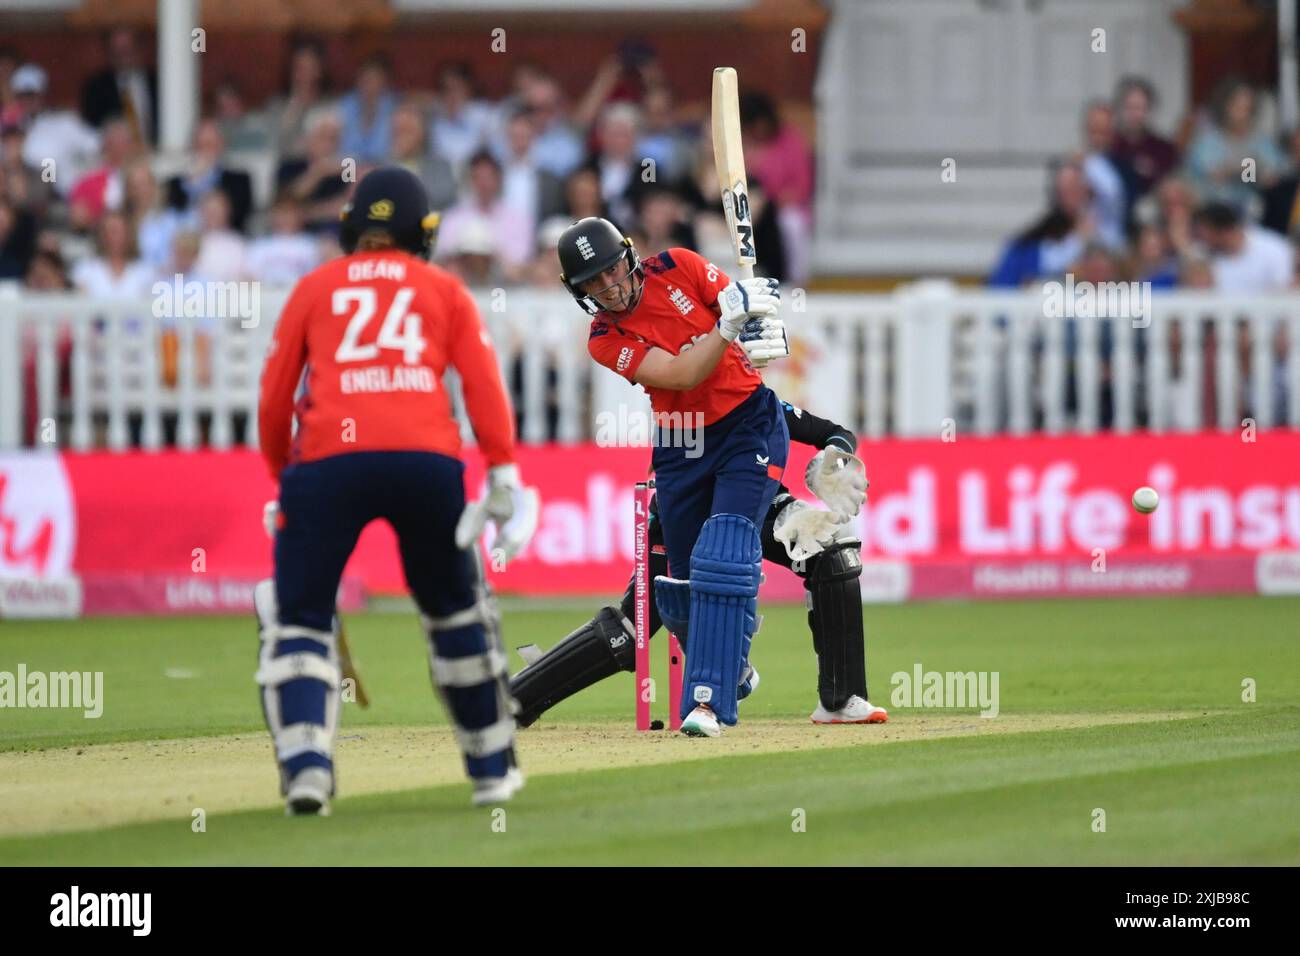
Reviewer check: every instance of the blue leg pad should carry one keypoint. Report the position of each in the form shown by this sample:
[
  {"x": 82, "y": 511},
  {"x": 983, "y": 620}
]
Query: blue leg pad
[
  {"x": 673, "y": 598},
  {"x": 725, "y": 573}
]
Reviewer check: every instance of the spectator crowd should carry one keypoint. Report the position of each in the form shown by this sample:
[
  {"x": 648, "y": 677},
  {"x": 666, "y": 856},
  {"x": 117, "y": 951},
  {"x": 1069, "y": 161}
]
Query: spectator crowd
[
  {"x": 87, "y": 202},
  {"x": 1221, "y": 211}
]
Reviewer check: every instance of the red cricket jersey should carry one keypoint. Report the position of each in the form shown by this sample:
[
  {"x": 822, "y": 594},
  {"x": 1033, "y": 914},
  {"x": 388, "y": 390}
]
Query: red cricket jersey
[
  {"x": 678, "y": 306},
  {"x": 375, "y": 332}
]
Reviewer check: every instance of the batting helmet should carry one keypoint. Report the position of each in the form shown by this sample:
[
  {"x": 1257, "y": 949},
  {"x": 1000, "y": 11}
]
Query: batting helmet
[
  {"x": 589, "y": 247},
  {"x": 391, "y": 199}
]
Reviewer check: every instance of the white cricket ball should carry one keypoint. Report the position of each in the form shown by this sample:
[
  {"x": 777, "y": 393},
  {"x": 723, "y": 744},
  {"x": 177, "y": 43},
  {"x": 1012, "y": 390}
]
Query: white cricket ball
[{"x": 1145, "y": 500}]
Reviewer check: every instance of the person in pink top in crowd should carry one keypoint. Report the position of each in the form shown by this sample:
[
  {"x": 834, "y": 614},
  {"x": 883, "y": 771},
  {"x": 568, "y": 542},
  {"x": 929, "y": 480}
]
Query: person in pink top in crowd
[{"x": 778, "y": 156}]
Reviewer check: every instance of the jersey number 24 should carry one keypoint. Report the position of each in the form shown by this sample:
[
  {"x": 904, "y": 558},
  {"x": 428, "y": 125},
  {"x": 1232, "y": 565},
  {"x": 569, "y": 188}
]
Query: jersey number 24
[{"x": 400, "y": 329}]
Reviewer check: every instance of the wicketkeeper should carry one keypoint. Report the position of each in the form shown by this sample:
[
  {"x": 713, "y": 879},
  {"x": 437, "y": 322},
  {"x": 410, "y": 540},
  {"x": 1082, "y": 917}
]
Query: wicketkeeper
[
  {"x": 376, "y": 330},
  {"x": 813, "y": 543}
]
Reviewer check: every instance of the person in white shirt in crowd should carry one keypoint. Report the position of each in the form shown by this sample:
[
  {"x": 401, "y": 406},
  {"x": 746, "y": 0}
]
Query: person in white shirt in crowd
[
  {"x": 1245, "y": 258},
  {"x": 155, "y": 224},
  {"x": 289, "y": 252},
  {"x": 512, "y": 240},
  {"x": 116, "y": 272},
  {"x": 461, "y": 122},
  {"x": 1109, "y": 197},
  {"x": 222, "y": 251},
  {"x": 59, "y": 138},
  {"x": 410, "y": 149},
  {"x": 618, "y": 163},
  {"x": 527, "y": 188},
  {"x": 472, "y": 255}
]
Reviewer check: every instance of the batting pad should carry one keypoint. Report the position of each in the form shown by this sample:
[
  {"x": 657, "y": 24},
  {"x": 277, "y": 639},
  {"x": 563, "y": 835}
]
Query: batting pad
[
  {"x": 298, "y": 670},
  {"x": 673, "y": 598},
  {"x": 725, "y": 573}
]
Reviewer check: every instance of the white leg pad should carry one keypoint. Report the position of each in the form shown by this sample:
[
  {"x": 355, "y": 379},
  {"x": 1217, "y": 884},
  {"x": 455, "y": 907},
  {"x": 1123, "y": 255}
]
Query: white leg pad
[{"x": 292, "y": 740}]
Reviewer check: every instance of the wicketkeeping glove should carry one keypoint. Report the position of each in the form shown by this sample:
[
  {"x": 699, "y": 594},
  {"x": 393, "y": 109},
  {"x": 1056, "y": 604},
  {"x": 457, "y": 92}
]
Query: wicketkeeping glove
[
  {"x": 744, "y": 299},
  {"x": 839, "y": 479},
  {"x": 805, "y": 530}
]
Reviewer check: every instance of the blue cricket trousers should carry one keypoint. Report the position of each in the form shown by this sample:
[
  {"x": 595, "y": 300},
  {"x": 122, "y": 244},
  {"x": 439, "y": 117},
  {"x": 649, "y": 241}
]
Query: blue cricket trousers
[{"x": 741, "y": 461}]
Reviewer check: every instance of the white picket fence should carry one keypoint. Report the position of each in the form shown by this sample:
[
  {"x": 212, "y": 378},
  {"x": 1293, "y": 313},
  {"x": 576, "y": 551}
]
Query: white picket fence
[{"x": 82, "y": 373}]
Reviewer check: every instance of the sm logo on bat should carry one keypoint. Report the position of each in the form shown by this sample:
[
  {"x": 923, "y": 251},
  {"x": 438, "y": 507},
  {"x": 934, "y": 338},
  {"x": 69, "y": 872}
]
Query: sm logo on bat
[{"x": 735, "y": 203}]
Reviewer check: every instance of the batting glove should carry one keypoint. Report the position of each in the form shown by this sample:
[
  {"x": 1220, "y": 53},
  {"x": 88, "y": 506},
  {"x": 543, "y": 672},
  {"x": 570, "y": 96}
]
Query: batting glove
[
  {"x": 744, "y": 299},
  {"x": 764, "y": 339}
]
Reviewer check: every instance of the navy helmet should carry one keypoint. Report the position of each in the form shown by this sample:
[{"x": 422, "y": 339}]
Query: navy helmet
[
  {"x": 589, "y": 247},
  {"x": 393, "y": 200}
]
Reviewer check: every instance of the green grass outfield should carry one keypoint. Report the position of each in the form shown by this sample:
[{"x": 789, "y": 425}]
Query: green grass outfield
[{"x": 1131, "y": 707}]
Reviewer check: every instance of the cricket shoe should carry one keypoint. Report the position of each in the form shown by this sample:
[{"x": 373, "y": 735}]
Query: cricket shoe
[
  {"x": 493, "y": 790},
  {"x": 701, "y": 722},
  {"x": 748, "y": 683},
  {"x": 858, "y": 710},
  {"x": 309, "y": 793}
]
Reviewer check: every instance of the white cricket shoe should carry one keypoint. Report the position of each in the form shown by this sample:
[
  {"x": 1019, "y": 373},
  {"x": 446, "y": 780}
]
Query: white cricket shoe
[
  {"x": 309, "y": 793},
  {"x": 858, "y": 710},
  {"x": 701, "y": 722},
  {"x": 493, "y": 790}
]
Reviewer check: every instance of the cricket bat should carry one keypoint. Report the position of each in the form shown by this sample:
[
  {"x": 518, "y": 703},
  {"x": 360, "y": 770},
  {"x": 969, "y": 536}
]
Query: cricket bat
[{"x": 729, "y": 157}]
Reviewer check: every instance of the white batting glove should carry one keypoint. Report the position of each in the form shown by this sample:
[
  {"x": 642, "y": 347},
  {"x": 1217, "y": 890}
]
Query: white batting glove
[
  {"x": 498, "y": 506},
  {"x": 764, "y": 339},
  {"x": 744, "y": 299},
  {"x": 839, "y": 479},
  {"x": 270, "y": 515},
  {"x": 805, "y": 530}
]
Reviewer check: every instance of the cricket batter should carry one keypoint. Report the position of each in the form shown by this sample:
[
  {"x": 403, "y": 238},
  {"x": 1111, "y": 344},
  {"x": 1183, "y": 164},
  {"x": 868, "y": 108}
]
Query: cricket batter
[
  {"x": 670, "y": 325},
  {"x": 829, "y": 564},
  {"x": 375, "y": 330}
]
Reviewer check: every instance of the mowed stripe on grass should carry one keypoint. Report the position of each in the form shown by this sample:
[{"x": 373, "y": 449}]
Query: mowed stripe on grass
[
  {"x": 81, "y": 788},
  {"x": 1205, "y": 789}
]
